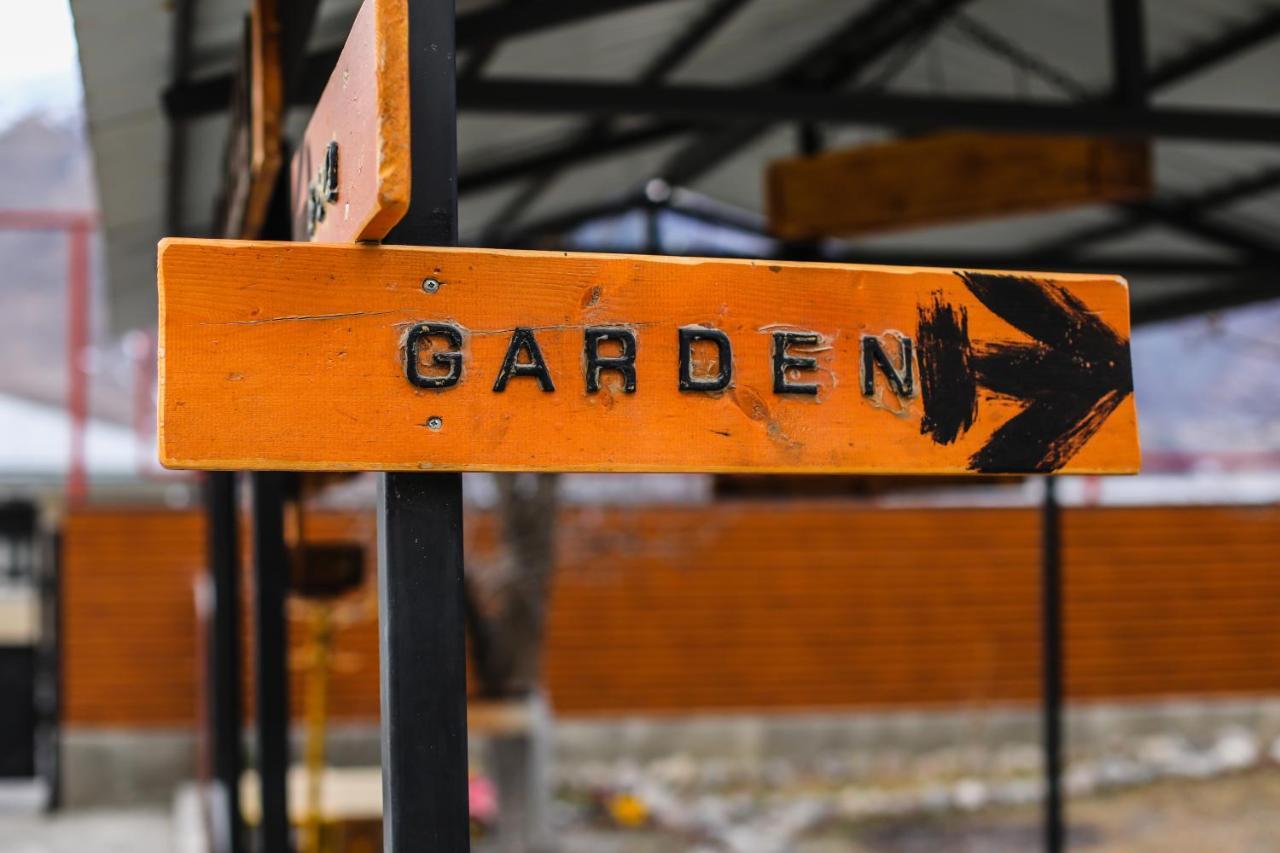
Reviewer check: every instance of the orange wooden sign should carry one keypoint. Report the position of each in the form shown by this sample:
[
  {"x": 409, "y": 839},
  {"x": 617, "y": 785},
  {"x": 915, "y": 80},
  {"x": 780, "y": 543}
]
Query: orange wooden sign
[
  {"x": 350, "y": 175},
  {"x": 252, "y": 158},
  {"x": 944, "y": 178},
  {"x": 288, "y": 356}
]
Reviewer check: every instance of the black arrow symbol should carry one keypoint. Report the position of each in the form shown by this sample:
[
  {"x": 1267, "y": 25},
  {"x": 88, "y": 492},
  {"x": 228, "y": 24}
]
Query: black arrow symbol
[{"x": 1072, "y": 376}]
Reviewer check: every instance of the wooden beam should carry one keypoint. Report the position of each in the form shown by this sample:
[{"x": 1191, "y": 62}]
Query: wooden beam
[
  {"x": 944, "y": 178},
  {"x": 328, "y": 357},
  {"x": 351, "y": 173},
  {"x": 903, "y": 111},
  {"x": 253, "y": 155}
]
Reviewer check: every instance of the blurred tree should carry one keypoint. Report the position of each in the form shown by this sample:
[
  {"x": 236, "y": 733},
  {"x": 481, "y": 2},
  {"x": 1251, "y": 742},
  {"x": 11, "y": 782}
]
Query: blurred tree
[{"x": 507, "y": 614}]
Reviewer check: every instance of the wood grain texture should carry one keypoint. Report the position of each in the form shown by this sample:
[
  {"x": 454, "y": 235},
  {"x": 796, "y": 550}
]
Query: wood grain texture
[
  {"x": 364, "y": 109},
  {"x": 267, "y": 113},
  {"x": 291, "y": 357},
  {"x": 253, "y": 157},
  {"x": 951, "y": 177}
]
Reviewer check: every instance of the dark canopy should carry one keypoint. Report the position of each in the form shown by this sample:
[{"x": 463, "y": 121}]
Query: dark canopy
[{"x": 572, "y": 109}]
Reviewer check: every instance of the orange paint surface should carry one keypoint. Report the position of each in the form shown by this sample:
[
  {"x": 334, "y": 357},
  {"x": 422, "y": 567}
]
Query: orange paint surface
[
  {"x": 947, "y": 178},
  {"x": 291, "y": 357},
  {"x": 364, "y": 109}
]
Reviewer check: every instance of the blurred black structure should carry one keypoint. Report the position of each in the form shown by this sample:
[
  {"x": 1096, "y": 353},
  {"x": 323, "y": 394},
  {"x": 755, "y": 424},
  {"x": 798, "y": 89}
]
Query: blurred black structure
[
  {"x": 18, "y": 652},
  {"x": 30, "y": 649},
  {"x": 827, "y": 85}
]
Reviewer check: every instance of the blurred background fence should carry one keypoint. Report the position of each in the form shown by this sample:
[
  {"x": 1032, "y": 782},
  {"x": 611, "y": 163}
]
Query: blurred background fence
[{"x": 751, "y": 606}]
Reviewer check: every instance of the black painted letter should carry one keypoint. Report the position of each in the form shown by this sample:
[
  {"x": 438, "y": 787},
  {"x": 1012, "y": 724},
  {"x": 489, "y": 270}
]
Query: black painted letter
[
  {"x": 624, "y": 362},
  {"x": 689, "y": 334},
  {"x": 784, "y": 361},
  {"x": 451, "y": 358},
  {"x": 536, "y": 366},
  {"x": 902, "y": 381}
]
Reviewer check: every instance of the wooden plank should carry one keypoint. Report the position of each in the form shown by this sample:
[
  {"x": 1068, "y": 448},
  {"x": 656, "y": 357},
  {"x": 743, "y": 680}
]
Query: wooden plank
[
  {"x": 350, "y": 174},
  {"x": 295, "y": 357},
  {"x": 946, "y": 178},
  {"x": 253, "y": 156}
]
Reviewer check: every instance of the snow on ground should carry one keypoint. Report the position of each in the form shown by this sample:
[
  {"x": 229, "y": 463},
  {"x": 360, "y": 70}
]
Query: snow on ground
[{"x": 107, "y": 831}]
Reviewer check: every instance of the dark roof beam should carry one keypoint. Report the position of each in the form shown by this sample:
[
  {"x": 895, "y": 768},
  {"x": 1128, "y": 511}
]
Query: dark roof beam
[
  {"x": 297, "y": 19},
  {"x": 1139, "y": 215},
  {"x": 1128, "y": 52},
  {"x": 212, "y": 94},
  {"x": 864, "y": 38},
  {"x": 908, "y": 112},
  {"x": 179, "y": 71},
  {"x": 575, "y": 152},
  {"x": 531, "y": 235},
  {"x": 1236, "y": 292},
  {"x": 1200, "y": 58},
  {"x": 1133, "y": 84},
  {"x": 705, "y": 25}
]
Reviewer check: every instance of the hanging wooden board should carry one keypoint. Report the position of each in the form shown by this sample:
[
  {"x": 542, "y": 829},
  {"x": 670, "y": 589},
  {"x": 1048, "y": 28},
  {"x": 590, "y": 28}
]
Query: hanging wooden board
[
  {"x": 252, "y": 159},
  {"x": 323, "y": 357},
  {"x": 946, "y": 178},
  {"x": 350, "y": 175}
]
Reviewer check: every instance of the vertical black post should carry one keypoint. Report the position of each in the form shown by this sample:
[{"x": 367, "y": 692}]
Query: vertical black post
[
  {"x": 271, "y": 673},
  {"x": 809, "y": 142},
  {"x": 223, "y": 536},
  {"x": 420, "y": 584},
  {"x": 809, "y": 139},
  {"x": 49, "y": 685},
  {"x": 1128, "y": 52},
  {"x": 1051, "y": 650},
  {"x": 653, "y": 228},
  {"x": 424, "y": 703}
]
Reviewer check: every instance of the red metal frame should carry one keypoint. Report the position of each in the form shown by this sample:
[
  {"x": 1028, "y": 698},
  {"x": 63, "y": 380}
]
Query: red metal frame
[{"x": 78, "y": 227}]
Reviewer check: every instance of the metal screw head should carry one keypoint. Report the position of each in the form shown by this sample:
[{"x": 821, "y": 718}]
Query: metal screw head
[
  {"x": 430, "y": 285},
  {"x": 658, "y": 191},
  {"x": 435, "y": 422}
]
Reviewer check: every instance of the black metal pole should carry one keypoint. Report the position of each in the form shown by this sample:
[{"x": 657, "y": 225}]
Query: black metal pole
[
  {"x": 1128, "y": 52},
  {"x": 1051, "y": 649},
  {"x": 420, "y": 584},
  {"x": 424, "y": 703},
  {"x": 271, "y": 673},
  {"x": 223, "y": 535},
  {"x": 810, "y": 142},
  {"x": 653, "y": 229},
  {"x": 49, "y": 689}
]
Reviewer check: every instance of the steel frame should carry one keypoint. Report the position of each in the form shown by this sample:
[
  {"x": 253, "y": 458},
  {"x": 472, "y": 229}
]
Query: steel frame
[
  {"x": 1195, "y": 60},
  {"x": 189, "y": 99},
  {"x": 1133, "y": 77},
  {"x": 715, "y": 16},
  {"x": 723, "y": 120},
  {"x": 900, "y": 112}
]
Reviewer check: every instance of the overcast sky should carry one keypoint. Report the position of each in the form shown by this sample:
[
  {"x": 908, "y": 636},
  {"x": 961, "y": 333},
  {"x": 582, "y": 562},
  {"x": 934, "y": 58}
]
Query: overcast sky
[{"x": 37, "y": 58}]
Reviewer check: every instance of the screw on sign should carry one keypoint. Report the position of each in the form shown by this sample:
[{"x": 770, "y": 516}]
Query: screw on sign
[{"x": 537, "y": 361}]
